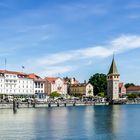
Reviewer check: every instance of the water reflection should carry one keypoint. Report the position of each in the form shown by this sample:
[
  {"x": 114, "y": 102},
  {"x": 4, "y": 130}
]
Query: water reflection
[
  {"x": 71, "y": 123},
  {"x": 106, "y": 122}
]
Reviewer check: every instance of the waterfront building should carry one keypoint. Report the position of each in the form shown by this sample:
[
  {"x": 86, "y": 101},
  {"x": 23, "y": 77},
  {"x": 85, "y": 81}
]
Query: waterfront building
[
  {"x": 55, "y": 84},
  {"x": 133, "y": 89},
  {"x": 83, "y": 89},
  {"x": 113, "y": 78},
  {"x": 122, "y": 89},
  {"x": 39, "y": 85},
  {"x": 74, "y": 81},
  {"x": 15, "y": 83},
  {"x": 70, "y": 81}
]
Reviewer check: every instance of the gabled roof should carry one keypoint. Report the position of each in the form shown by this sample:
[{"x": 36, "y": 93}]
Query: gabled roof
[
  {"x": 113, "y": 68},
  {"x": 12, "y": 72},
  {"x": 35, "y": 77},
  {"x": 131, "y": 88},
  {"x": 79, "y": 85},
  {"x": 51, "y": 79},
  {"x": 23, "y": 75}
]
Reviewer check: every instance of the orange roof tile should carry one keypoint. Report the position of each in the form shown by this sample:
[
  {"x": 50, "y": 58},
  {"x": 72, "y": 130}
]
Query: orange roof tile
[
  {"x": 51, "y": 79},
  {"x": 30, "y": 76},
  {"x": 133, "y": 88},
  {"x": 35, "y": 77},
  {"x": 12, "y": 72}
]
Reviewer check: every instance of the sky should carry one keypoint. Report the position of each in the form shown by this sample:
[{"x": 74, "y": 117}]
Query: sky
[{"x": 75, "y": 38}]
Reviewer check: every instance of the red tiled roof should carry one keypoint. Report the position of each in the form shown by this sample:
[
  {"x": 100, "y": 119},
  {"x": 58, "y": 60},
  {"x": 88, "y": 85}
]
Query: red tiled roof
[
  {"x": 51, "y": 79},
  {"x": 35, "y": 77},
  {"x": 79, "y": 85},
  {"x": 12, "y": 72},
  {"x": 23, "y": 75},
  {"x": 133, "y": 88}
]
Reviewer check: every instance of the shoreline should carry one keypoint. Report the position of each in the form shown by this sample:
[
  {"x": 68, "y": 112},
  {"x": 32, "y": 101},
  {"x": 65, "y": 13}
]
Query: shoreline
[{"x": 47, "y": 105}]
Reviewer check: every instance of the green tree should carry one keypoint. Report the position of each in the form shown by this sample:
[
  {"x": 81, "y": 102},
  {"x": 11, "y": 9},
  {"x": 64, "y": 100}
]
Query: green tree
[
  {"x": 129, "y": 84},
  {"x": 102, "y": 94},
  {"x": 132, "y": 95},
  {"x": 54, "y": 94},
  {"x": 99, "y": 81}
]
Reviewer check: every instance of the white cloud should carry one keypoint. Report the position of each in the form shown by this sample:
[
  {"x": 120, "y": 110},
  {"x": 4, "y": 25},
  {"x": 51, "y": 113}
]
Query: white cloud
[
  {"x": 117, "y": 45},
  {"x": 56, "y": 70},
  {"x": 125, "y": 42},
  {"x": 54, "y": 61}
]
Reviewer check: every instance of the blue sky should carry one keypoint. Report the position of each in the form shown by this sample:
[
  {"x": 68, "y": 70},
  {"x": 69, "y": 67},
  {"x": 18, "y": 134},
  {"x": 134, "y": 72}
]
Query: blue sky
[{"x": 73, "y": 38}]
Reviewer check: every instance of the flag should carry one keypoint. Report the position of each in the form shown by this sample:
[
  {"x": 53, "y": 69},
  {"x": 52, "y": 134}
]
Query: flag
[{"x": 23, "y": 67}]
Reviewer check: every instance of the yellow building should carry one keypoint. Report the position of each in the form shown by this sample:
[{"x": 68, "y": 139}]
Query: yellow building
[{"x": 83, "y": 89}]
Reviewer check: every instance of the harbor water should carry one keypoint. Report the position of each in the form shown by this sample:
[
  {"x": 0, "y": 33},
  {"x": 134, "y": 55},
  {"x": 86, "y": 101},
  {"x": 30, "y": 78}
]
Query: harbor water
[{"x": 118, "y": 122}]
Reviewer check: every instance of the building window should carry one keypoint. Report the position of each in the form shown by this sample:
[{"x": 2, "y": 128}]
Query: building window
[
  {"x": 35, "y": 85},
  {"x": 41, "y": 85}
]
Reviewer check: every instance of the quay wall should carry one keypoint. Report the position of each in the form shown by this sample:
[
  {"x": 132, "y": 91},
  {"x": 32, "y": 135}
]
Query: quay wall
[{"x": 39, "y": 105}]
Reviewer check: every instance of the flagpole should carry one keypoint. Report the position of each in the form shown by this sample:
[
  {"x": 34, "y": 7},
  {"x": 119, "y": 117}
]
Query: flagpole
[
  {"x": 5, "y": 63},
  {"x": 22, "y": 68}
]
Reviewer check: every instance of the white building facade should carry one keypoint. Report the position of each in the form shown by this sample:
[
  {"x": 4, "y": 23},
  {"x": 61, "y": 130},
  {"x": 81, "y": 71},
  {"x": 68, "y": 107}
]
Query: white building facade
[
  {"x": 89, "y": 90},
  {"x": 15, "y": 83},
  {"x": 39, "y": 85}
]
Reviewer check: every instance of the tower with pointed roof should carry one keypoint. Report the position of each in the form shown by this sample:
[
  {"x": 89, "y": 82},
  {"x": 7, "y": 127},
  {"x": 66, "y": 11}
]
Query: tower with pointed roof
[{"x": 113, "y": 78}]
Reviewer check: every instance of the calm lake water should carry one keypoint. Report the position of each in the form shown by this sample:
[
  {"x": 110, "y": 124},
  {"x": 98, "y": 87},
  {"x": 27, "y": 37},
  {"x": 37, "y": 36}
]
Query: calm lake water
[{"x": 72, "y": 123}]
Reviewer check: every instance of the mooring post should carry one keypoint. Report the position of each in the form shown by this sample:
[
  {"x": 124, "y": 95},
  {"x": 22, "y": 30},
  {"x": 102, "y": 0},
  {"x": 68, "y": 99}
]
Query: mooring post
[
  {"x": 17, "y": 104},
  {"x": 49, "y": 104},
  {"x": 57, "y": 104},
  {"x": 34, "y": 104},
  {"x": 74, "y": 103},
  {"x": 14, "y": 105},
  {"x": 28, "y": 104}
]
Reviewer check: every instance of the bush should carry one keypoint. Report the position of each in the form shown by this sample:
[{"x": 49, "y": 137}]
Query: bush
[
  {"x": 132, "y": 95},
  {"x": 54, "y": 94},
  {"x": 101, "y": 94}
]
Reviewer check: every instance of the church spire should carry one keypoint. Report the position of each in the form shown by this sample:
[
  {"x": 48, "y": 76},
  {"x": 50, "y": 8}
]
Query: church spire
[{"x": 113, "y": 67}]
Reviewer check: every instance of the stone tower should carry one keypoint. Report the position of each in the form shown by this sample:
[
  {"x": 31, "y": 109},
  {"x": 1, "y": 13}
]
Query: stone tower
[{"x": 113, "y": 78}]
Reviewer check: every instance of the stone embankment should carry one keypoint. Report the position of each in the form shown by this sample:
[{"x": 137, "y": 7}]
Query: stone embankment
[{"x": 49, "y": 104}]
